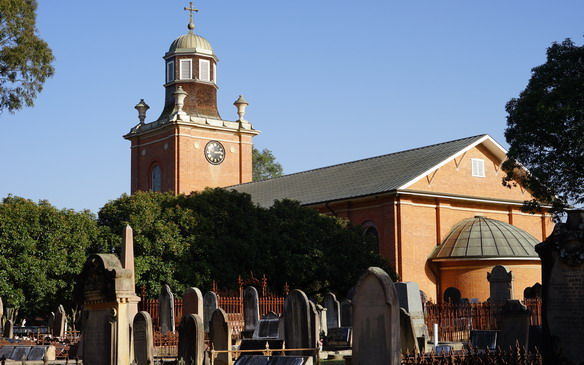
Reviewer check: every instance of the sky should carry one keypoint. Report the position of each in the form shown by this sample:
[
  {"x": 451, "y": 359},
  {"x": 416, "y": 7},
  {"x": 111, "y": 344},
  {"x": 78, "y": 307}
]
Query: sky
[{"x": 327, "y": 81}]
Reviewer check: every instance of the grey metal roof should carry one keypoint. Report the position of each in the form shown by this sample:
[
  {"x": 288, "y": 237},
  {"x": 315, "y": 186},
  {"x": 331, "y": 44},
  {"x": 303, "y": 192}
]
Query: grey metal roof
[
  {"x": 355, "y": 179},
  {"x": 485, "y": 238}
]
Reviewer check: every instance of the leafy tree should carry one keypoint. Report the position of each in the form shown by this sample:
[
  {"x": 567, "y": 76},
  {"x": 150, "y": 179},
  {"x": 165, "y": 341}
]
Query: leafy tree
[
  {"x": 42, "y": 250},
  {"x": 265, "y": 165},
  {"x": 545, "y": 131},
  {"x": 25, "y": 59}
]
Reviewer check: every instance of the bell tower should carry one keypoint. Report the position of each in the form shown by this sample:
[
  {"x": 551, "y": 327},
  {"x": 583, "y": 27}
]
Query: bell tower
[{"x": 189, "y": 146}]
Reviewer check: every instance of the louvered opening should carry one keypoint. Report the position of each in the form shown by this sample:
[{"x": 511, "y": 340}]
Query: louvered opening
[
  {"x": 478, "y": 167},
  {"x": 185, "y": 69},
  {"x": 169, "y": 71},
  {"x": 204, "y": 70}
]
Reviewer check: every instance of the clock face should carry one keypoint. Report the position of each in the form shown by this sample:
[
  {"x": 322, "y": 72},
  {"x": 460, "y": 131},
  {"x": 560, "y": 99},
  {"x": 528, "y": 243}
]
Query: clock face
[{"x": 214, "y": 152}]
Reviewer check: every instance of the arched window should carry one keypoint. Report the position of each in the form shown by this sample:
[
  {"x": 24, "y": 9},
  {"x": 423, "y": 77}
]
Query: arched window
[
  {"x": 371, "y": 232},
  {"x": 155, "y": 179}
]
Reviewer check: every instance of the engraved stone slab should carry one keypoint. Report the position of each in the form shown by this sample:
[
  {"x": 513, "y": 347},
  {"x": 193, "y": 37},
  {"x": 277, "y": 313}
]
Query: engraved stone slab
[
  {"x": 143, "y": 339},
  {"x": 98, "y": 337},
  {"x": 410, "y": 299},
  {"x": 166, "y": 309},
  {"x": 60, "y": 322},
  {"x": 251, "y": 309},
  {"x": 346, "y": 313},
  {"x": 297, "y": 323},
  {"x": 501, "y": 280},
  {"x": 191, "y": 337},
  {"x": 221, "y": 336},
  {"x": 483, "y": 339},
  {"x": 210, "y": 303},
  {"x": 37, "y": 353},
  {"x": 20, "y": 352},
  {"x": 408, "y": 340},
  {"x": 514, "y": 324},
  {"x": 339, "y": 338},
  {"x": 333, "y": 312},
  {"x": 267, "y": 328},
  {"x": 193, "y": 302}
]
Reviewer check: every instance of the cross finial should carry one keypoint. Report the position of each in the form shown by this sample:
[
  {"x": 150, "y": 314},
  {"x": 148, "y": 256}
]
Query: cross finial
[{"x": 190, "y": 10}]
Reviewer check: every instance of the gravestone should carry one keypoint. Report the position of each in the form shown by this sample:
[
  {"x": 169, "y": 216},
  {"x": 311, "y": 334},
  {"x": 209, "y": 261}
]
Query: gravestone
[
  {"x": 333, "y": 312},
  {"x": 501, "y": 288},
  {"x": 220, "y": 336},
  {"x": 297, "y": 323},
  {"x": 193, "y": 302},
  {"x": 514, "y": 324},
  {"x": 143, "y": 339},
  {"x": 532, "y": 292},
  {"x": 8, "y": 330},
  {"x": 322, "y": 319},
  {"x": 166, "y": 309},
  {"x": 408, "y": 339},
  {"x": 191, "y": 337},
  {"x": 127, "y": 260},
  {"x": 562, "y": 257},
  {"x": 60, "y": 322},
  {"x": 339, "y": 338},
  {"x": 376, "y": 330},
  {"x": 267, "y": 328},
  {"x": 51, "y": 323},
  {"x": 446, "y": 349},
  {"x": 38, "y": 353},
  {"x": 410, "y": 299},
  {"x": 315, "y": 326},
  {"x": 452, "y": 295},
  {"x": 483, "y": 339},
  {"x": 20, "y": 352},
  {"x": 346, "y": 313},
  {"x": 210, "y": 303},
  {"x": 251, "y": 310},
  {"x": 105, "y": 290}
]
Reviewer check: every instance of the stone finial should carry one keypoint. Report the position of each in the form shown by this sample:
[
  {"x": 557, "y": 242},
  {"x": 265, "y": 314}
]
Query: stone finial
[
  {"x": 142, "y": 107},
  {"x": 179, "y": 99},
  {"x": 241, "y": 104}
]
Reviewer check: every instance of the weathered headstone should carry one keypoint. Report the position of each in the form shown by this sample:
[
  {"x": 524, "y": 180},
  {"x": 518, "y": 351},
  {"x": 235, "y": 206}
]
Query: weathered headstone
[
  {"x": 193, "y": 302},
  {"x": 346, "y": 313},
  {"x": 20, "y": 352},
  {"x": 333, "y": 312},
  {"x": 532, "y": 292},
  {"x": 191, "y": 337},
  {"x": 210, "y": 303},
  {"x": 51, "y": 323},
  {"x": 315, "y": 327},
  {"x": 251, "y": 310},
  {"x": 501, "y": 281},
  {"x": 452, "y": 295},
  {"x": 562, "y": 257},
  {"x": 267, "y": 328},
  {"x": 339, "y": 338},
  {"x": 484, "y": 339},
  {"x": 220, "y": 335},
  {"x": 105, "y": 289},
  {"x": 514, "y": 324},
  {"x": 143, "y": 339},
  {"x": 409, "y": 298},
  {"x": 297, "y": 323},
  {"x": 166, "y": 309},
  {"x": 60, "y": 322},
  {"x": 37, "y": 353},
  {"x": 8, "y": 329},
  {"x": 322, "y": 311},
  {"x": 408, "y": 339},
  {"x": 376, "y": 335}
]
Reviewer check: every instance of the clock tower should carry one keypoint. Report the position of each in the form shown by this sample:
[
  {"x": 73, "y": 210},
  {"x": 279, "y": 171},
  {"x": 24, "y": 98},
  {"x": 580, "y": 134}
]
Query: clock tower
[{"x": 189, "y": 146}]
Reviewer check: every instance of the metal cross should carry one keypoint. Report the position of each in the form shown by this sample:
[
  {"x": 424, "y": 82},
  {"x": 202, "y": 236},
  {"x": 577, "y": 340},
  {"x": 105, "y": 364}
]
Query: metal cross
[{"x": 190, "y": 9}]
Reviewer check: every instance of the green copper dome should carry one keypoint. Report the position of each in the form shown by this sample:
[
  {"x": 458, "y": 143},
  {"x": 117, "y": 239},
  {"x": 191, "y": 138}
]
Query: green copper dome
[{"x": 484, "y": 238}]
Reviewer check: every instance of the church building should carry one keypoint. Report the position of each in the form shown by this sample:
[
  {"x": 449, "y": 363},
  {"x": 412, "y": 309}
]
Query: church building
[{"x": 440, "y": 213}]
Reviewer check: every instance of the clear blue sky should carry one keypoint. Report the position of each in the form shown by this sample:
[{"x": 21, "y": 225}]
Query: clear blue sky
[{"x": 327, "y": 81}]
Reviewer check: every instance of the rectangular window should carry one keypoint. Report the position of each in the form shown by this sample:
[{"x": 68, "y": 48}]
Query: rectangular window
[
  {"x": 204, "y": 70},
  {"x": 478, "y": 167},
  {"x": 170, "y": 71},
  {"x": 186, "y": 69}
]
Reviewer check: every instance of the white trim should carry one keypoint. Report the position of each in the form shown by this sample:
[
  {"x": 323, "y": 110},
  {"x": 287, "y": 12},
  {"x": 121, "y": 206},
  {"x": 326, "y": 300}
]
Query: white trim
[
  {"x": 489, "y": 143},
  {"x": 170, "y": 75},
  {"x": 184, "y": 61},
  {"x": 188, "y": 135},
  {"x": 215, "y": 73},
  {"x": 478, "y": 167},
  {"x": 206, "y": 65}
]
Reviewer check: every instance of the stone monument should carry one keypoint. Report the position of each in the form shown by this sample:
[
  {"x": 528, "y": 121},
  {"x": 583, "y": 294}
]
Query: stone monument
[
  {"x": 210, "y": 303},
  {"x": 346, "y": 313},
  {"x": 127, "y": 259},
  {"x": 251, "y": 310},
  {"x": 193, "y": 302},
  {"x": 410, "y": 299},
  {"x": 514, "y": 324},
  {"x": 220, "y": 336},
  {"x": 333, "y": 312},
  {"x": 297, "y": 323},
  {"x": 166, "y": 309},
  {"x": 376, "y": 329},
  {"x": 191, "y": 339},
  {"x": 60, "y": 322},
  {"x": 143, "y": 339},
  {"x": 501, "y": 288}
]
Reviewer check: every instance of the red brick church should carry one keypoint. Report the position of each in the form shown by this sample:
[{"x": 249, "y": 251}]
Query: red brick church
[{"x": 440, "y": 213}]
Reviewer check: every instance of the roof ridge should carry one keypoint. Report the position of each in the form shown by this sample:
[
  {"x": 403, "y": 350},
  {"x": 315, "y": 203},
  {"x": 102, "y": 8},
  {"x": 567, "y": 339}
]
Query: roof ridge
[{"x": 361, "y": 160}]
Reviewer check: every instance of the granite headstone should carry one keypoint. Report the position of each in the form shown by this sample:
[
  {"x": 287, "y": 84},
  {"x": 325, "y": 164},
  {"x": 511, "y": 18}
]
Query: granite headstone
[
  {"x": 333, "y": 312},
  {"x": 501, "y": 284},
  {"x": 166, "y": 309},
  {"x": 210, "y": 303}
]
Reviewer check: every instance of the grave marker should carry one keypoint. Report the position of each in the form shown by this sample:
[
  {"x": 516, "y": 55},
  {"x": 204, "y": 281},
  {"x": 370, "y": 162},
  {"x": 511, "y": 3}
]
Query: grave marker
[
  {"x": 501, "y": 280},
  {"x": 193, "y": 302},
  {"x": 452, "y": 295},
  {"x": 221, "y": 336},
  {"x": 143, "y": 339},
  {"x": 333, "y": 313},
  {"x": 297, "y": 323},
  {"x": 376, "y": 332},
  {"x": 191, "y": 337},
  {"x": 408, "y": 339},
  {"x": 514, "y": 324},
  {"x": 166, "y": 309},
  {"x": 410, "y": 299},
  {"x": 209, "y": 306},
  {"x": 346, "y": 313},
  {"x": 60, "y": 322},
  {"x": 8, "y": 330},
  {"x": 251, "y": 310},
  {"x": 484, "y": 339}
]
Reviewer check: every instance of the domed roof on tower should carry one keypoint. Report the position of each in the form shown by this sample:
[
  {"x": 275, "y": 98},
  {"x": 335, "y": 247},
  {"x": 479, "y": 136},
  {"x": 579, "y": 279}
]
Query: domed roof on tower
[{"x": 190, "y": 42}]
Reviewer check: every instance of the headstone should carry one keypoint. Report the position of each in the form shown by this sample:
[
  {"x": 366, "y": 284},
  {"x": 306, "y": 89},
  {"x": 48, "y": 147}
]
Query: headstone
[
  {"x": 446, "y": 349},
  {"x": 452, "y": 295},
  {"x": 409, "y": 298},
  {"x": 322, "y": 313},
  {"x": 562, "y": 257},
  {"x": 20, "y": 352},
  {"x": 210, "y": 303},
  {"x": 483, "y": 339},
  {"x": 105, "y": 290},
  {"x": 315, "y": 327},
  {"x": 8, "y": 329},
  {"x": 501, "y": 281},
  {"x": 51, "y": 323},
  {"x": 297, "y": 323},
  {"x": 267, "y": 328},
  {"x": 60, "y": 322},
  {"x": 333, "y": 312},
  {"x": 408, "y": 339},
  {"x": 191, "y": 337},
  {"x": 143, "y": 339},
  {"x": 37, "y": 353},
  {"x": 127, "y": 259},
  {"x": 514, "y": 324},
  {"x": 346, "y": 313},
  {"x": 251, "y": 310},
  {"x": 339, "y": 338},
  {"x": 220, "y": 335},
  {"x": 376, "y": 335},
  {"x": 532, "y": 292},
  {"x": 166, "y": 309},
  {"x": 193, "y": 302}
]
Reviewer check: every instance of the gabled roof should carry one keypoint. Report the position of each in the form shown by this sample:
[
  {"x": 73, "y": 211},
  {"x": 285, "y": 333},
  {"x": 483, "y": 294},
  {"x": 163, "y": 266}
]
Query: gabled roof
[{"x": 361, "y": 178}]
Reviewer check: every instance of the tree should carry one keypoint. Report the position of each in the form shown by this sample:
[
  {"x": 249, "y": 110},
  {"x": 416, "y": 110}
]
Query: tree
[
  {"x": 265, "y": 165},
  {"x": 25, "y": 59},
  {"x": 42, "y": 250},
  {"x": 545, "y": 131}
]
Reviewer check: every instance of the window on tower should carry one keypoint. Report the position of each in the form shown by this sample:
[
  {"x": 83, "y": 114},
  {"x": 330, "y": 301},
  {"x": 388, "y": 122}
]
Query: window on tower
[
  {"x": 204, "y": 70},
  {"x": 169, "y": 71},
  {"x": 186, "y": 69},
  {"x": 155, "y": 179}
]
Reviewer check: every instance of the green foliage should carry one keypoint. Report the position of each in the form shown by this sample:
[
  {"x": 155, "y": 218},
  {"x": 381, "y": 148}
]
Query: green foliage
[
  {"x": 190, "y": 240},
  {"x": 25, "y": 59},
  {"x": 42, "y": 249},
  {"x": 265, "y": 165},
  {"x": 545, "y": 130}
]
